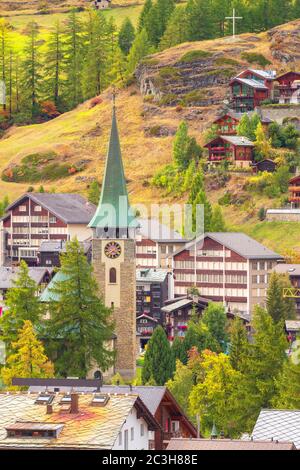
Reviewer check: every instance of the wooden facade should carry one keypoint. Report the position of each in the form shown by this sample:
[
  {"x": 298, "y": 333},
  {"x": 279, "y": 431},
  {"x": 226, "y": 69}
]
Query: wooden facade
[
  {"x": 237, "y": 151},
  {"x": 289, "y": 88},
  {"x": 294, "y": 191}
]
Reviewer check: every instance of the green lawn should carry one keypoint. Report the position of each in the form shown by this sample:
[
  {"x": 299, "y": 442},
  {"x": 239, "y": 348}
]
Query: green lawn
[{"x": 47, "y": 21}]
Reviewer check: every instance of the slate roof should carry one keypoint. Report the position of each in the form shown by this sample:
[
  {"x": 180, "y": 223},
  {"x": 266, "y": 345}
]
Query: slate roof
[
  {"x": 10, "y": 274},
  {"x": 71, "y": 208},
  {"x": 291, "y": 269},
  {"x": 281, "y": 425},
  {"x": 92, "y": 428},
  {"x": 238, "y": 140},
  {"x": 151, "y": 275},
  {"x": 251, "y": 83},
  {"x": 239, "y": 243},
  {"x": 226, "y": 444}
]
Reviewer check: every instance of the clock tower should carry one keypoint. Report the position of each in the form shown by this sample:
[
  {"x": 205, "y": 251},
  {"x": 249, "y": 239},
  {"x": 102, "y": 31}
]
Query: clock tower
[{"x": 113, "y": 254}]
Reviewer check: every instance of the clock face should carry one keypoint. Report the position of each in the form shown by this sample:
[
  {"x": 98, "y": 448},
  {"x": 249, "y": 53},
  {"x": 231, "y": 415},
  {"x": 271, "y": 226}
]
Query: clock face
[{"x": 112, "y": 250}]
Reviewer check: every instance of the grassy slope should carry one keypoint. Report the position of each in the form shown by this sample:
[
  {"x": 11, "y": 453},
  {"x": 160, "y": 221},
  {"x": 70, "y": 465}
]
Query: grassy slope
[{"x": 83, "y": 134}]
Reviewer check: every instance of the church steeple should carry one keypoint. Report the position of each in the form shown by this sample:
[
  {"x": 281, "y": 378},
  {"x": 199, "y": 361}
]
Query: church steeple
[{"x": 113, "y": 211}]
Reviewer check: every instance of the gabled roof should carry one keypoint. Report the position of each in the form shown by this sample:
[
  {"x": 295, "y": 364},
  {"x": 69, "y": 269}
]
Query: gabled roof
[
  {"x": 238, "y": 242},
  {"x": 235, "y": 140},
  {"x": 70, "y": 208},
  {"x": 9, "y": 274},
  {"x": 113, "y": 209},
  {"x": 92, "y": 428},
  {"x": 281, "y": 425},
  {"x": 151, "y": 275},
  {"x": 226, "y": 444},
  {"x": 250, "y": 82},
  {"x": 266, "y": 74}
]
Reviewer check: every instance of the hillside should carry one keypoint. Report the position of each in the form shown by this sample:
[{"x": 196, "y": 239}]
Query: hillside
[{"x": 197, "y": 80}]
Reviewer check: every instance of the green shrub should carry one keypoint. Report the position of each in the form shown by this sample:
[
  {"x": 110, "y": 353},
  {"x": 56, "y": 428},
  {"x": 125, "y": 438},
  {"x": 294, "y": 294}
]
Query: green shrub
[
  {"x": 255, "y": 58},
  {"x": 194, "y": 55}
]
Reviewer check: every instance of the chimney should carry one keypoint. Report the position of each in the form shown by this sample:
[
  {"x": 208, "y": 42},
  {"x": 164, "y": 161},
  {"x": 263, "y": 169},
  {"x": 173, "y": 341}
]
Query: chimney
[
  {"x": 49, "y": 409},
  {"x": 74, "y": 403}
]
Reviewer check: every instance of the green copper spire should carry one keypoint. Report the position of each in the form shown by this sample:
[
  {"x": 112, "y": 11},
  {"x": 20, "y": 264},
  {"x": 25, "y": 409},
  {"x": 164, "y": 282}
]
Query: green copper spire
[{"x": 113, "y": 209}]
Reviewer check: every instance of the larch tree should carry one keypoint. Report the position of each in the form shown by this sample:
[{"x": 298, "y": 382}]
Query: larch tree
[
  {"x": 159, "y": 362},
  {"x": 23, "y": 304},
  {"x": 28, "y": 358},
  {"x": 54, "y": 58},
  {"x": 126, "y": 36},
  {"x": 80, "y": 329},
  {"x": 31, "y": 71}
]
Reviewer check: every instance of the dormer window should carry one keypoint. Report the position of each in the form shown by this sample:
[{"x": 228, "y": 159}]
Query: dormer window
[{"x": 34, "y": 429}]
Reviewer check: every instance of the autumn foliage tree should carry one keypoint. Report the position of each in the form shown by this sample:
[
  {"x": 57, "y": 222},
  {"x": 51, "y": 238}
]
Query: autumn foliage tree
[{"x": 28, "y": 358}]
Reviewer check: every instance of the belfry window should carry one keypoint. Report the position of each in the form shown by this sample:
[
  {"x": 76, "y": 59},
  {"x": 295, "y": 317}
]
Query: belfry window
[{"x": 112, "y": 276}]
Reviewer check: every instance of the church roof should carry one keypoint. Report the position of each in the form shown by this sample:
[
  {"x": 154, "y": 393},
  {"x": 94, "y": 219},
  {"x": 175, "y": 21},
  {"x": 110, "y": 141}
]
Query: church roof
[{"x": 113, "y": 209}]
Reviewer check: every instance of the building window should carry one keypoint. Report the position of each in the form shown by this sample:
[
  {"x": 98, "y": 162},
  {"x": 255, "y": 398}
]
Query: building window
[
  {"x": 142, "y": 430},
  {"x": 113, "y": 276},
  {"x": 132, "y": 434}
]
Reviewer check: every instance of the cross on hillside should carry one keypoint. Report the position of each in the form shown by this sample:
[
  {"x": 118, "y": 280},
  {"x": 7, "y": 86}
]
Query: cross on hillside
[{"x": 233, "y": 18}]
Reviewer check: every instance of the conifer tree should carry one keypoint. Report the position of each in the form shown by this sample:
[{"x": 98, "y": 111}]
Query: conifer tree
[
  {"x": 178, "y": 349},
  {"x": 159, "y": 362},
  {"x": 238, "y": 343},
  {"x": 144, "y": 13},
  {"x": 279, "y": 307},
  {"x": 54, "y": 67},
  {"x": 28, "y": 358},
  {"x": 126, "y": 36},
  {"x": 288, "y": 386},
  {"x": 80, "y": 327},
  {"x": 22, "y": 303},
  {"x": 74, "y": 58},
  {"x": 217, "y": 220},
  {"x": 31, "y": 71},
  {"x": 141, "y": 47},
  {"x": 266, "y": 356}
]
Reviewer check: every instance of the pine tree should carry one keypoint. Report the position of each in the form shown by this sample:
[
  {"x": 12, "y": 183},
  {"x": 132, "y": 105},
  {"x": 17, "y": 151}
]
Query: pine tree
[
  {"x": 217, "y": 220},
  {"x": 126, "y": 36},
  {"x": 279, "y": 307},
  {"x": 238, "y": 343},
  {"x": 53, "y": 81},
  {"x": 159, "y": 363},
  {"x": 94, "y": 193},
  {"x": 22, "y": 303},
  {"x": 79, "y": 327},
  {"x": 28, "y": 358},
  {"x": 141, "y": 47},
  {"x": 31, "y": 71}
]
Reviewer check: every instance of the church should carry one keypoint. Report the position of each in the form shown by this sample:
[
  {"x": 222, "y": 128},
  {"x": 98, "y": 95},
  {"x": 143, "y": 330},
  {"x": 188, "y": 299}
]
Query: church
[{"x": 113, "y": 254}]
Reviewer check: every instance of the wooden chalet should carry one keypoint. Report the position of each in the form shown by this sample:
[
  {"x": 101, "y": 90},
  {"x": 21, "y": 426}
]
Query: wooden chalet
[
  {"x": 250, "y": 88},
  {"x": 236, "y": 149},
  {"x": 264, "y": 165},
  {"x": 294, "y": 191},
  {"x": 289, "y": 88}
]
